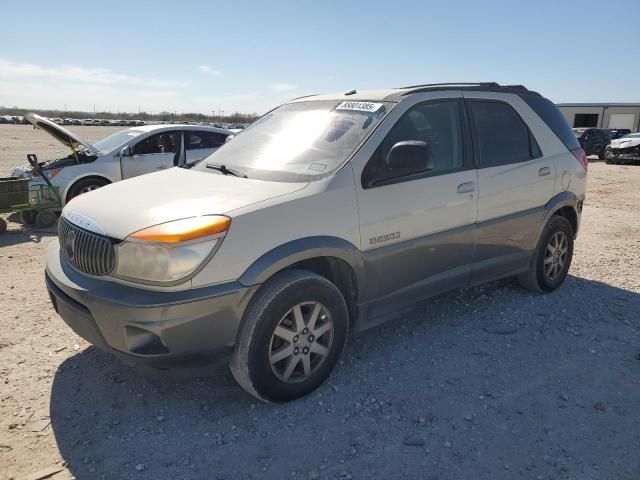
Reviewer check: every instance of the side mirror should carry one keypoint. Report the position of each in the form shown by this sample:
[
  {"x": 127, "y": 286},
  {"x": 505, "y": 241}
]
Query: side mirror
[
  {"x": 126, "y": 151},
  {"x": 409, "y": 157}
]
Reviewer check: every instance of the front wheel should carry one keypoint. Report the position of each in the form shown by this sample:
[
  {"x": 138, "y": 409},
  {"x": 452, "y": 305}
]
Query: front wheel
[
  {"x": 552, "y": 258},
  {"x": 292, "y": 335},
  {"x": 85, "y": 185}
]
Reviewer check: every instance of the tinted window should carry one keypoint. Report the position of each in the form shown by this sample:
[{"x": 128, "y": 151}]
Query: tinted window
[
  {"x": 437, "y": 124},
  {"x": 198, "y": 140},
  {"x": 165, "y": 142},
  {"x": 501, "y": 135},
  {"x": 554, "y": 119}
]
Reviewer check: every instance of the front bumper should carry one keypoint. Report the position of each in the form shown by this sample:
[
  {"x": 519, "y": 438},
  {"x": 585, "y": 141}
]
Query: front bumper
[
  {"x": 148, "y": 327},
  {"x": 623, "y": 155}
]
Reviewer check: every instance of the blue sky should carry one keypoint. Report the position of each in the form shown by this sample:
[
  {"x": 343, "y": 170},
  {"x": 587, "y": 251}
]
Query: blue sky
[{"x": 249, "y": 56}]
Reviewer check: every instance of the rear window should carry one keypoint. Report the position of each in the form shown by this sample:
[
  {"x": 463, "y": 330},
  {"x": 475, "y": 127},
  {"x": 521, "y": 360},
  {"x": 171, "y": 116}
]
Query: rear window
[{"x": 554, "y": 119}]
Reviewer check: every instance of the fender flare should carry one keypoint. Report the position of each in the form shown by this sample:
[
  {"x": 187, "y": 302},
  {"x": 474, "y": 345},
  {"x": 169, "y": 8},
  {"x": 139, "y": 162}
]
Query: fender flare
[
  {"x": 301, "y": 249},
  {"x": 562, "y": 199}
]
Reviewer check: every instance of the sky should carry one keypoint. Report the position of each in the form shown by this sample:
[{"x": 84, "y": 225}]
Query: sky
[{"x": 249, "y": 56}]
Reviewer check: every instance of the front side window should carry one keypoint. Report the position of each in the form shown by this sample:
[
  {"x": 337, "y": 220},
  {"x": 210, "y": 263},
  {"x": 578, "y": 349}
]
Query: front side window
[
  {"x": 438, "y": 125},
  {"x": 301, "y": 141},
  {"x": 502, "y": 136},
  {"x": 165, "y": 142}
]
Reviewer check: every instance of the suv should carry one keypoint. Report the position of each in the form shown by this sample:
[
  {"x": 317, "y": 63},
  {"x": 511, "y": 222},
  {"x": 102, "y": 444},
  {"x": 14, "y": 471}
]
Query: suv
[
  {"x": 594, "y": 141},
  {"x": 325, "y": 216}
]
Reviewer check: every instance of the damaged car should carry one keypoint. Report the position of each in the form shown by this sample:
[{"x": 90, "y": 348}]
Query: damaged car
[
  {"x": 624, "y": 150},
  {"x": 124, "y": 154}
]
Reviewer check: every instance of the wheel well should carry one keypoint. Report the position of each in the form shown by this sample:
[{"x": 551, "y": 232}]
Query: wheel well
[
  {"x": 338, "y": 272},
  {"x": 90, "y": 177},
  {"x": 570, "y": 214}
]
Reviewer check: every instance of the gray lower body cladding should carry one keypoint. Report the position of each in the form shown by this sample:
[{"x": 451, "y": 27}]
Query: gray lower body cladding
[{"x": 147, "y": 327}]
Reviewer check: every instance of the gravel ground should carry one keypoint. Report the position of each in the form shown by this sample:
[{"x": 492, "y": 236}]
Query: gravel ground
[{"x": 490, "y": 382}]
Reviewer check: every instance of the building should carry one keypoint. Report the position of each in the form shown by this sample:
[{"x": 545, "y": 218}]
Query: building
[{"x": 602, "y": 115}]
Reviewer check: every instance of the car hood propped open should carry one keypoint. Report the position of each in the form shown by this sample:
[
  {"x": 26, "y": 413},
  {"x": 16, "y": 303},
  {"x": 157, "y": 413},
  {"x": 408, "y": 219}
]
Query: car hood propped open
[{"x": 61, "y": 134}]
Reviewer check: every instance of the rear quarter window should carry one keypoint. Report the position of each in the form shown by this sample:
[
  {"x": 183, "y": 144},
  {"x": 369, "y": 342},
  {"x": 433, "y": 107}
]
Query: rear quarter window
[{"x": 554, "y": 119}]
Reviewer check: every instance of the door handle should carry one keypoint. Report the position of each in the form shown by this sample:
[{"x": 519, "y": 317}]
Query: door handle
[
  {"x": 544, "y": 171},
  {"x": 161, "y": 167},
  {"x": 466, "y": 187}
]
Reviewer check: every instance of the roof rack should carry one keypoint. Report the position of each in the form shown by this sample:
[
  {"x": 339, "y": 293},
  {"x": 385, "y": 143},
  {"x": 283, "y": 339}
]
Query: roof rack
[
  {"x": 481, "y": 86},
  {"x": 454, "y": 84}
]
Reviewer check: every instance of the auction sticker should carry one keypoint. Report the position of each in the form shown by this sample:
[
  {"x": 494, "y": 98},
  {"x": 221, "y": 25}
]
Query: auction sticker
[{"x": 360, "y": 106}]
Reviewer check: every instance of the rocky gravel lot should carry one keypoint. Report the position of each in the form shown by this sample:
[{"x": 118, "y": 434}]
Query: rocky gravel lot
[{"x": 491, "y": 382}]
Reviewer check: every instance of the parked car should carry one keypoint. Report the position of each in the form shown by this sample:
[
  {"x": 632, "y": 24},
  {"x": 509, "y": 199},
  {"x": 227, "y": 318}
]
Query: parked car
[
  {"x": 326, "y": 215},
  {"x": 624, "y": 150},
  {"x": 125, "y": 154},
  {"x": 617, "y": 132},
  {"x": 593, "y": 141}
]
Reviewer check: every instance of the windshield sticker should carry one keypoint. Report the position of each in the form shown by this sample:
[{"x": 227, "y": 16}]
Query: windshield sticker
[{"x": 368, "y": 107}]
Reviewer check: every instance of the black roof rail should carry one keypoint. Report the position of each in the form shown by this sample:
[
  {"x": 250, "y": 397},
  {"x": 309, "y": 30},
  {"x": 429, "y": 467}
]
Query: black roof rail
[
  {"x": 478, "y": 86},
  {"x": 452, "y": 84}
]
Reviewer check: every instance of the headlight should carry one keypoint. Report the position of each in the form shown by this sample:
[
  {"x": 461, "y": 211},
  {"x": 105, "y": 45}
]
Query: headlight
[{"x": 170, "y": 251}]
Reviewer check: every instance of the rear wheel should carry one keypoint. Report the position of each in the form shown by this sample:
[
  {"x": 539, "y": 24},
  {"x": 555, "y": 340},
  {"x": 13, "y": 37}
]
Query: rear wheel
[
  {"x": 603, "y": 154},
  {"x": 292, "y": 335},
  {"x": 552, "y": 258},
  {"x": 3, "y": 225}
]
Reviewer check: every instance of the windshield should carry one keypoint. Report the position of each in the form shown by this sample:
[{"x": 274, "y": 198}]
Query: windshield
[
  {"x": 299, "y": 142},
  {"x": 632, "y": 135},
  {"x": 110, "y": 143},
  {"x": 578, "y": 132}
]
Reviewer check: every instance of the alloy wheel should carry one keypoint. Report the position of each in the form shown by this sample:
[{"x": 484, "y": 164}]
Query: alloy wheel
[
  {"x": 555, "y": 255},
  {"x": 301, "y": 342}
]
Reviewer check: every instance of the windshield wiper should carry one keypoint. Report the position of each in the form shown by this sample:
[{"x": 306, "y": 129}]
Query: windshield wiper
[{"x": 225, "y": 171}]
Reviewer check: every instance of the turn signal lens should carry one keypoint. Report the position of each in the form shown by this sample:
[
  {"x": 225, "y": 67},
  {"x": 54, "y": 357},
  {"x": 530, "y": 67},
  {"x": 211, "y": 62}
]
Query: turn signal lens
[{"x": 184, "y": 230}]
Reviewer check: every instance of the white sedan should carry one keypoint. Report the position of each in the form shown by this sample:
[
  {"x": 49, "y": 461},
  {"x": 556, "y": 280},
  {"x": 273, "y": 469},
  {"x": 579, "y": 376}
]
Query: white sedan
[{"x": 125, "y": 154}]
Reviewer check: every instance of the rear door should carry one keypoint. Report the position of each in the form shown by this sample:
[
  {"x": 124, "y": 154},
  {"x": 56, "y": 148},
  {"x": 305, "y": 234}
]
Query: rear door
[
  {"x": 515, "y": 181},
  {"x": 417, "y": 231},
  {"x": 201, "y": 143},
  {"x": 155, "y": 152}
]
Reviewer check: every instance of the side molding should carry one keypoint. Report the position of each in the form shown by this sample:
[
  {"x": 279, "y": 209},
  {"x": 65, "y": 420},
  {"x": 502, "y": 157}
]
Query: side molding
[{"x": 303, "y": 249}]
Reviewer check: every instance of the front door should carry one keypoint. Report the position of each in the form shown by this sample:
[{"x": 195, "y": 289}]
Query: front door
[
  {"x": 417, "y": 231},
  {"x": 156, "y": 152}
]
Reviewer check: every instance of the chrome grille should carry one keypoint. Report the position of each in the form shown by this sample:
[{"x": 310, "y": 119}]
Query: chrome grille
[{"x": 88, "y": 252}]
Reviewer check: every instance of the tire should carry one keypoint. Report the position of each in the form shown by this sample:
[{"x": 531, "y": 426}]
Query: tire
[
  {"x": 28, "y": 216},
  {"x": 46, "y": 219},
  {"x": 602, "y": 155},
  {"x": 85, "y": 185},
  {"x": 258, "y": 344},
  {"x": 539, "y": 278},
  {"x": 3, "y": 226}
]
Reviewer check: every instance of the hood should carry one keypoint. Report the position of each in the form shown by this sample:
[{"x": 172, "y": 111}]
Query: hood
[
  {"x": 61, "y": 134},
  {"x": 625, "y": 142},
  {"x": 122, "y": 208}
]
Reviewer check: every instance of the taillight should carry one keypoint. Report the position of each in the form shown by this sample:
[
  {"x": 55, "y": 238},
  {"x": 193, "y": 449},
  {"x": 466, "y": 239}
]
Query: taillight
[{"x": 581, "y": 157}]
